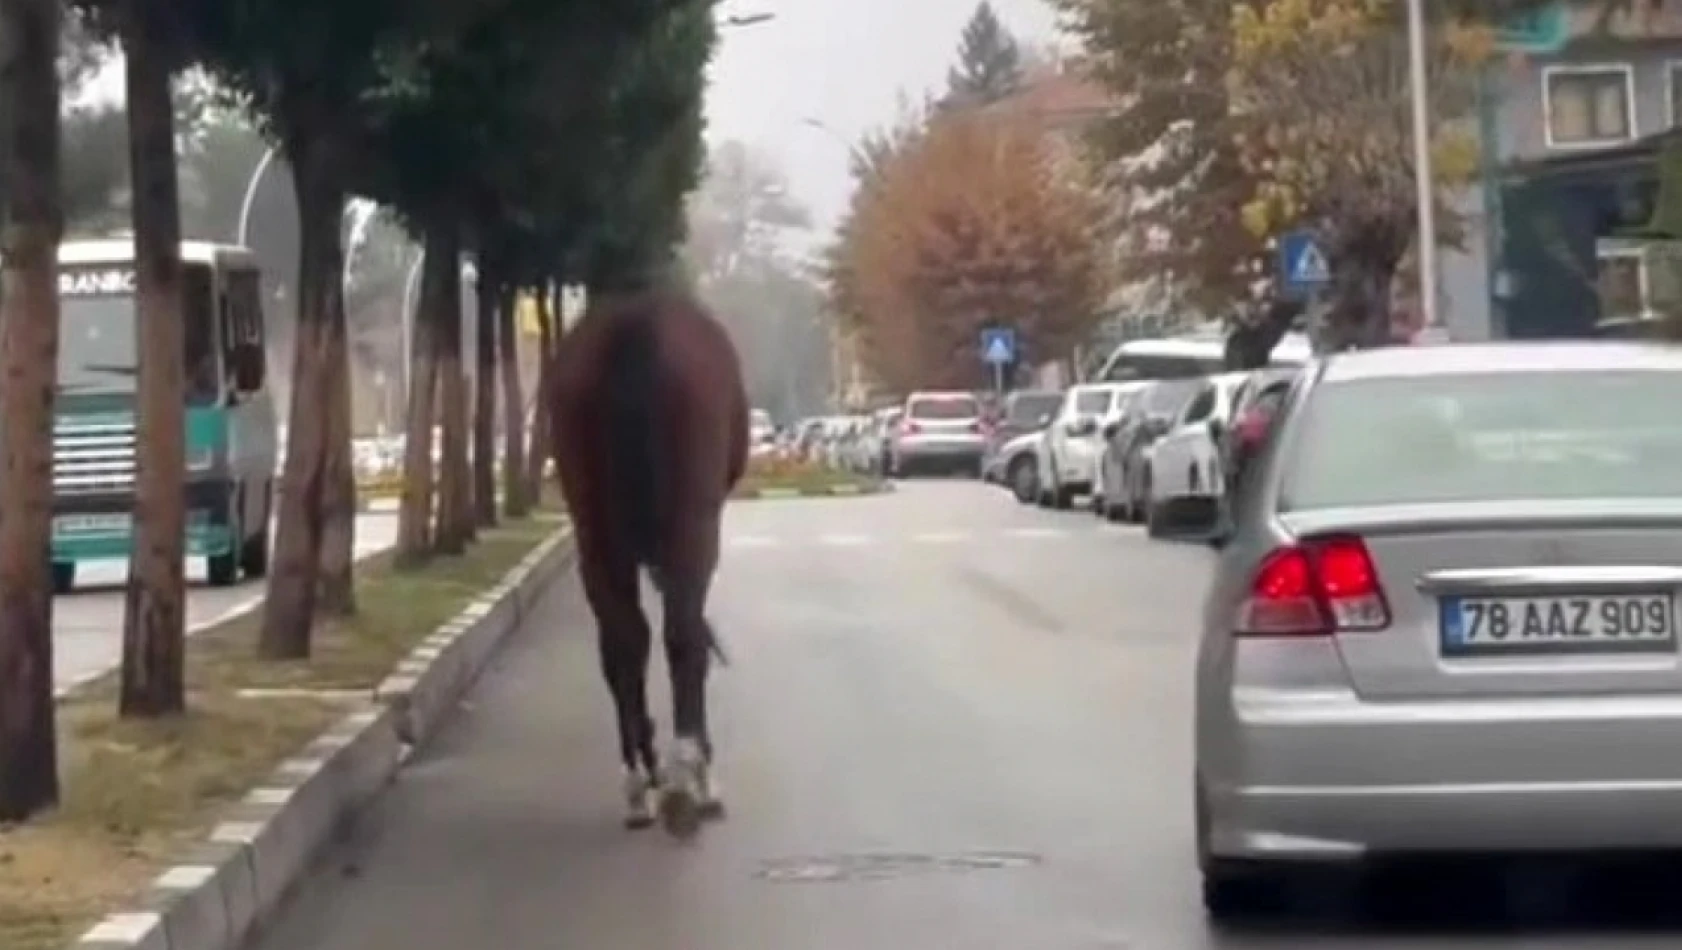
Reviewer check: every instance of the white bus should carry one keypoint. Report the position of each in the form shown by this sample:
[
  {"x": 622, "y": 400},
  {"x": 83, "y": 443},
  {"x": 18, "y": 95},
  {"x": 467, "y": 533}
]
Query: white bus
[{"x": 1193, "y": 355}]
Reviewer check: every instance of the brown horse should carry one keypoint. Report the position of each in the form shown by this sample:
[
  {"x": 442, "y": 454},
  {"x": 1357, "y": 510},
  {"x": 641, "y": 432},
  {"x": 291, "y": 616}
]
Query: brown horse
[{"x": 650, "y": 426}]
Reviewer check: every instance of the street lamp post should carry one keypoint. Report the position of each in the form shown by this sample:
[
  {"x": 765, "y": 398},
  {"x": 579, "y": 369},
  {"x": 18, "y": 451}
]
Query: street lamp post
[
  {"x": 1420, "y": 83},
  {"x": 408, "y": 317}
]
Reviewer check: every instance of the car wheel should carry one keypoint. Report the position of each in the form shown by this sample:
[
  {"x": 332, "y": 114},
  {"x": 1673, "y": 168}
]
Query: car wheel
[
  {"x": 1240, "y": 892},
  {"x": 1234, "y": 891},
  {"x": 1024, "y": 481},
  {"x": 1142, "y": 505},
  {"x": 1096, "y": 504}
]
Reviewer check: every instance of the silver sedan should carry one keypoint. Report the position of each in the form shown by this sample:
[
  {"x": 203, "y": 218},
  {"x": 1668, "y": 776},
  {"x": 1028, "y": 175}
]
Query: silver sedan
[{"x": 1445, "y": 615}]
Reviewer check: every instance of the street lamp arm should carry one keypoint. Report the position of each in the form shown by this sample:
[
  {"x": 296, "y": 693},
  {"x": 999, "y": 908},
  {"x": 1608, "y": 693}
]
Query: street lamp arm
[{"x": 243, "y": 232}]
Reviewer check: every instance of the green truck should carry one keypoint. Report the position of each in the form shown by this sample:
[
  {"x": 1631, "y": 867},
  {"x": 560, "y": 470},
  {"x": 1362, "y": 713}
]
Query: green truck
[{"x": 231, "y": 429}]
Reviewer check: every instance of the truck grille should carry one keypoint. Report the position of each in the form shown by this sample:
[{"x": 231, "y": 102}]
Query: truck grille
[{"x": 93, "y": 457}]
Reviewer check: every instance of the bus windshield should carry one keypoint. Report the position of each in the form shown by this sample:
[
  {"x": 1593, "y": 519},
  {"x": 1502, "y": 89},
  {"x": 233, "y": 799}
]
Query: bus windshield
[{"x": 97, "y": 349}]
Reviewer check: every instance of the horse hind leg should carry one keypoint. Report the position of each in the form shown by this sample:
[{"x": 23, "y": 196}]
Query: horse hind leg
[
  {"x": 689, "y": 791},
  {"x": 624, "y": 641}
]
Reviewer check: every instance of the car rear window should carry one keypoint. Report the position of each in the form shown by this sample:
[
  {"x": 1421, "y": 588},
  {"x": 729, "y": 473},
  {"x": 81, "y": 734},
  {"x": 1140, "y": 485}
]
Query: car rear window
[
  {"x": 1168, "y": 397},
  {"x": 1488, "y": 437},
  {"x": 1093, "y": 403},
  {"x": 944, "y": 407},
  {"x": 1027, "y": 409}
]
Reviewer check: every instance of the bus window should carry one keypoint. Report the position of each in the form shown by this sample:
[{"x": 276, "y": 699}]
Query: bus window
[
  {"x": 243, "y": 331},
  {"x": 199, "y": 329}
]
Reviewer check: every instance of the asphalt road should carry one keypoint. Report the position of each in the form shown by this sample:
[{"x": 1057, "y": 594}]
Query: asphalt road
[
  {"x": 953, "y": 723},
  {"x": 88, "y": 622}
]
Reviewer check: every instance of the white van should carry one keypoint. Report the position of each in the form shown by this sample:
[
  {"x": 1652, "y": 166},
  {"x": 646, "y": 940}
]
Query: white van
[{"x": 1192, "y": 355}]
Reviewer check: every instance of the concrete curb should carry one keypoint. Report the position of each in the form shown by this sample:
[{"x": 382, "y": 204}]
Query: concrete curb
[
  {"x": 225, "y": 888},
  {"x": 827, "y": 491}
]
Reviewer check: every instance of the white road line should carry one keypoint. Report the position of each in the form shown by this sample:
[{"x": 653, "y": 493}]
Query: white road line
[
  {"x": 844, "y": 540},
  {"x": 1036, "y": 532},
  {"x": 940, "y": 537},
  {"x": 753, "y": 541}
]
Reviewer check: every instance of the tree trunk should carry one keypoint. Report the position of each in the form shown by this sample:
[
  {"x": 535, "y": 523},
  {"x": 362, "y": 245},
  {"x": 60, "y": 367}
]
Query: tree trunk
[
  {"x": 33, "y": 224},
  {"x": 1363, "y": 255},
  {"x": 515, "y": 500},
  {"x": 537, "y": 458},
  {"x": 154, "y": 615},
  {"x": 336, "y": 593},
  {"x": 415, "y": 507},
  {"x": 488, "y": 292},
  {"x": 320, "y": 340},
  {"x": 455, "y": 512}
]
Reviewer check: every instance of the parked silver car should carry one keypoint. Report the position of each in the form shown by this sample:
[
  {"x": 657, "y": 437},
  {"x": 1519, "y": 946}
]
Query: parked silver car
[{"x": 1445, "y": 615}]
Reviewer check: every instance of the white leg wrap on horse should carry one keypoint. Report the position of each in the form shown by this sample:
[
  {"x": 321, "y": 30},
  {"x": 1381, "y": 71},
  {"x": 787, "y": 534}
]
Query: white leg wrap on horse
[
  {"x": 639, "y": 799},
  {"x": 682, "y": 787}
]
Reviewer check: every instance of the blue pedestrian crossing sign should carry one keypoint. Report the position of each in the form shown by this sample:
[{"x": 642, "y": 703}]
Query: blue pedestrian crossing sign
[
  {"x": 1302, "y": 265},
  {"x": 998, "y": 346}
]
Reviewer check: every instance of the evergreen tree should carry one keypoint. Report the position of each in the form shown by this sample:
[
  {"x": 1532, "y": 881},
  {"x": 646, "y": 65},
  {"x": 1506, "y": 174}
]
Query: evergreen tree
[{"x": 989, "y": 61}]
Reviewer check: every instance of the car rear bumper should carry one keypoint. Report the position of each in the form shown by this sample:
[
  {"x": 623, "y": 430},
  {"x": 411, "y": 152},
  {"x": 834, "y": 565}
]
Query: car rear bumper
[
  {"x": 1329, "y": 776},
  {"x": 932, "y": 449}
]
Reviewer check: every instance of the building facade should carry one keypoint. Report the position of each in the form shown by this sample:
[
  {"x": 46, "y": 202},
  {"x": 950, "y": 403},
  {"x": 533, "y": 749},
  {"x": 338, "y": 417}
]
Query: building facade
[{"x": 1572, "y": 114}]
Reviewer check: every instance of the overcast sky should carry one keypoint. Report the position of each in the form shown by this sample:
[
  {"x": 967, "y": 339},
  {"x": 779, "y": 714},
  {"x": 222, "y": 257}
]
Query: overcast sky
[{"x": 842, "y": 62}]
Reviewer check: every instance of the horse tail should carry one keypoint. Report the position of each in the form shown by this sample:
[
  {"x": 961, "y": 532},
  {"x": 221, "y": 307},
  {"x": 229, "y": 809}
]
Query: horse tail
[{"x": 634, "y": 438}]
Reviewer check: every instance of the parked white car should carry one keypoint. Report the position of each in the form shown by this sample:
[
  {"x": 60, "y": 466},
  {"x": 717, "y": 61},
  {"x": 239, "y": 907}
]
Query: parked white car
[
  {"x": 1186, "y": 463},
  {"x": 1017, "y": 466},
  {"x": 762, "y": 433},
  {"x": 1068, "y": 455}
]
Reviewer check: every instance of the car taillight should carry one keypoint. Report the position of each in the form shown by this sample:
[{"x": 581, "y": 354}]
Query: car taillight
[
  {"x": 1317, "y": 588},
  {"x": 1251, "y": 428}
]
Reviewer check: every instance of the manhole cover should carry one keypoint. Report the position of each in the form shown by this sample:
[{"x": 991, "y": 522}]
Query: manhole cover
[{"x": 881, "y": 867}]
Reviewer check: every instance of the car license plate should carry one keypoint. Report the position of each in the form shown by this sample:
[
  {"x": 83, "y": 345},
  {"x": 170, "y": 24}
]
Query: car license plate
[
  {"x": 1588, "y": 624},
  {"x": 82, "y": 524}
]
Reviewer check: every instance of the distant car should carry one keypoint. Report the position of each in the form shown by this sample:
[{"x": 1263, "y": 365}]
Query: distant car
[
  {"x": 762, "y": 433},
  {"x": 1022, "y": 412},
  {"x": 940, "y": 431},
  {"x": 1018, "y": 464},
  {"x": 1069, "y": 452},
  {"x": 1124, "y": 472},
  {"x": 1187, "y": 461},
  {"x": 1444, "y": 617},
  {"x": 1253, "y": 409}
]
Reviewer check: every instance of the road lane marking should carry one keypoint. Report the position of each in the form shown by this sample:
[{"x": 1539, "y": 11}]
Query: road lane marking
[
  {"x": 753, "y": 541},
  {"x": 844, "y": 540},
  {"x": 940, "y": 537},
  {"x": 1036, "y": 533}
]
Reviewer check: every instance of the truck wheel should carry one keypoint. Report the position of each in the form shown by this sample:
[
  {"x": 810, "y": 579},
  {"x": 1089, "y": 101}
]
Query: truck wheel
[
  {"x": 64, "y": 577},
  {"x": 254, "y": 553},
  {"x": 222, "y": 570}
]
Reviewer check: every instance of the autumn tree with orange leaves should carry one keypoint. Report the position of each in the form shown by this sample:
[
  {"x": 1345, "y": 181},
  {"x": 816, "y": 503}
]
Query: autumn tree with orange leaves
[{"x": 982, "y": 218}]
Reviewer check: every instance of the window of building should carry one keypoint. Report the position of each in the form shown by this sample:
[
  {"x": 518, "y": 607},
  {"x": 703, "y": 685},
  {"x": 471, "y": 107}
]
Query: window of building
[{"x": 1589, "y": 105}]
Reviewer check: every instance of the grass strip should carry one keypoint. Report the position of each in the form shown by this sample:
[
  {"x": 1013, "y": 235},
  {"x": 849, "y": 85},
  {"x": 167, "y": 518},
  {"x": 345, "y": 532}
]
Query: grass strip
[{"x": 135, "y": 794}]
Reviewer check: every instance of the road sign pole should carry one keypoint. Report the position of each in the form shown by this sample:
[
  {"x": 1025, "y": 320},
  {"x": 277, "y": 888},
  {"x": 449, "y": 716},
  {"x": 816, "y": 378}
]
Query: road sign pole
[
  {"x": 999, "y": 379},
  {"x": 1425, "y": 187}
]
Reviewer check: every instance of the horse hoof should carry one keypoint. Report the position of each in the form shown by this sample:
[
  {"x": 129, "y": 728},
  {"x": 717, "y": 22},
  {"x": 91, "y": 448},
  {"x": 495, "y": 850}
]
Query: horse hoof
[
  {"x": 712, "y": 810},
  {"x": 680, "y": 813},
  {"x": 639, "y": 821}
]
